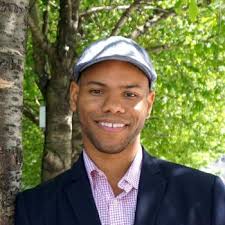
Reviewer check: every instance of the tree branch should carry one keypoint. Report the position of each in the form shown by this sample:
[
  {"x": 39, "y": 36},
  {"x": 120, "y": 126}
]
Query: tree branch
[
  {"x": 64, "y": 24},
  {"x": 39, "y": 55},
  {"x": 159, "y": 48},
  {"x": 40, "y": 39},
  {"x": 65, "y": 11},
  {"x": 53, "y": 5},
  {"x": 45, "y": 19},
  {"x": 158, "y": 14},
  {"x": 125, "y": 16},
  {"x": 67, "y": 31},
  {"x": 75, "y": 15},
  {"x": 102, "y": 8},
  {"x": 74, "y": 31},
  {"x": 31, "y": 114},
  {"x": 107, "y": 8}
]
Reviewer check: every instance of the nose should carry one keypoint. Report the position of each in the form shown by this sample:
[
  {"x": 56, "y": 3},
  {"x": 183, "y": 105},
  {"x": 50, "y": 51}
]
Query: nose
[{"x": 113, "y": 104}]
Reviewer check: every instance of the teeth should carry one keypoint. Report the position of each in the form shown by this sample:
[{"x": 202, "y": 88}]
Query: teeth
[
  {"x": 118, "y": 125},
  {"x": 112, "y": 125}
]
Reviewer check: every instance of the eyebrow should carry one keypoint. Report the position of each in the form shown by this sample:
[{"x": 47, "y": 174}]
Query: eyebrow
[
  {"x": 128, "y": 86},
  {"x": 95, "y": 83}
]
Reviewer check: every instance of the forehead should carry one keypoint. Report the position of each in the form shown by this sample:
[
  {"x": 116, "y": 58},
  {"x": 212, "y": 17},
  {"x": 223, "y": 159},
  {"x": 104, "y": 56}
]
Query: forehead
[{"x": 114, "y": 72}]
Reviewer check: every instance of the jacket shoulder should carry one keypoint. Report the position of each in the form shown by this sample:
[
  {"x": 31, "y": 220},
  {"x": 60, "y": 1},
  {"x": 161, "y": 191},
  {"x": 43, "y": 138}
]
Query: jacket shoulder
[
  {"x": 47, "y": 190},
  {"x": 181, "y": 173}
]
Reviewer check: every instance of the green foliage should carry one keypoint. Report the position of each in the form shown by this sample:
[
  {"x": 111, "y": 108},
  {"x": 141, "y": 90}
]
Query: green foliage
[
  {"x": 32, "y": 154},
  {"x": 193, "y": 10},
  {"x": 187, "y": 124},
  {"x": 32, "y": 136}
]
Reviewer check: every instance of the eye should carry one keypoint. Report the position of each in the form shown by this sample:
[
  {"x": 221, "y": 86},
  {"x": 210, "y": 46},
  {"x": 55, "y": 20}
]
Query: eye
[
  {"x": 130, "y": 94},
  {"x": 95, "y": 92}
]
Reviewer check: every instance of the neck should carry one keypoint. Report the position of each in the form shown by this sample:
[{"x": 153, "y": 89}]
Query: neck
[{"x": 114, "y": 165}]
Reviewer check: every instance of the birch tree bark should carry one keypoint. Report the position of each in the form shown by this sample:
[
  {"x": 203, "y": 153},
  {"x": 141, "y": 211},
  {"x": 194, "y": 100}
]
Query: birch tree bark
[{"x": 12, "y": 54}]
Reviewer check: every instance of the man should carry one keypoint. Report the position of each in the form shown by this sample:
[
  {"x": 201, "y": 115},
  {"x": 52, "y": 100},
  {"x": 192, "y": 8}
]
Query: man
[{"x": 115, "y": 182}]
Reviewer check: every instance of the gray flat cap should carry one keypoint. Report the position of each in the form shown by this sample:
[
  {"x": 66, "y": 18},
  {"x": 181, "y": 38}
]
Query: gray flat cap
[{"x": 116, "y": 48}]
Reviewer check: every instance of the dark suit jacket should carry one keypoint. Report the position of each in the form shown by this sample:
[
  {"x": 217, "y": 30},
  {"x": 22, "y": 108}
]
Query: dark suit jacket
[{"x": 169, "y": 194}]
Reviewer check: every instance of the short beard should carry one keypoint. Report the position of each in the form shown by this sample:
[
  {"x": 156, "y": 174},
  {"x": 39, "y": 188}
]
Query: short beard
[
  {"x": 110, "y": 148},
  {"x": 106, "y": 148}
]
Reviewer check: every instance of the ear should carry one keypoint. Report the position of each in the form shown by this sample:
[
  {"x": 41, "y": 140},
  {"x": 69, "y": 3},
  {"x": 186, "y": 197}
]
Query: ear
[
  {"x": 74, "y": 90},
  {"x": 150, "y": 100}
]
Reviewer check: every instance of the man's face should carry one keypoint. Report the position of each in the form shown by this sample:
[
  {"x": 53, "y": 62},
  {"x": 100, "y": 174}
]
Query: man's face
[{"x": 112, "y": 101}]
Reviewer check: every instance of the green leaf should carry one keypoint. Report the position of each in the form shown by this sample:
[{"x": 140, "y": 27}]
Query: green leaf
[
  {"x": 178, "y": 6},
  {"x": 193, "y": 10}
]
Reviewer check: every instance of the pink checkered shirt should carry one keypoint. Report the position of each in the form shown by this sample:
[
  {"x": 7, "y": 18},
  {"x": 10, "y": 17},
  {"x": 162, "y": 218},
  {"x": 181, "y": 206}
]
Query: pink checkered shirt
[{"x": 120, "y": 209}]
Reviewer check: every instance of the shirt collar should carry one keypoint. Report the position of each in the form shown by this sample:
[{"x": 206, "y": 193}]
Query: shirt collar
[
  {"x": 91, "y": 169},
  {"x": 128, "y": 181},
  {"x": 132, "y": 176}
]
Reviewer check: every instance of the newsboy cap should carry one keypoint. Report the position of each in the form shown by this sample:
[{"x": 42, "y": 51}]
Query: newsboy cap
[{"x": 116, "y": 48}]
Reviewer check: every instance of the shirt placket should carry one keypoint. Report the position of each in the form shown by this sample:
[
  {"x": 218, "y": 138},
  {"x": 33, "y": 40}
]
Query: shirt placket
[
  {"x": 115, "y": 206},
  {"x": 115, "y": 209}
]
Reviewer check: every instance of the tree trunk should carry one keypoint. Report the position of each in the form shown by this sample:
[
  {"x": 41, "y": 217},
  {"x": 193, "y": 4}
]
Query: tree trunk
[
  {"x": 58, "y": 146},
  {"x": 53, "y": 65},
  {"x": 62, "y": 136},
  {"x": 12, "y": 55},
  {"x": 76, "y": 139}
]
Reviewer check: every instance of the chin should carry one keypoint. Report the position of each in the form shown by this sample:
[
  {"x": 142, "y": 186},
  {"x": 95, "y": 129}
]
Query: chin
[
  {"x": 110, "y": 151},
  {"x": 111, "y": 148}
]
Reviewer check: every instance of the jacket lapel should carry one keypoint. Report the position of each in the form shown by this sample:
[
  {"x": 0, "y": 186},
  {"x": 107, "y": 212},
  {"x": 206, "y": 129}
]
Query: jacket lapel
[
  {"x": 80, "y": 196},
  {"x": 151, "y": 191}
]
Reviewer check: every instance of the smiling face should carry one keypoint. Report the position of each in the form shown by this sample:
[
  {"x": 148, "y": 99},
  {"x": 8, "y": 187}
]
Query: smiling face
[{"x": 112, "y": 101}]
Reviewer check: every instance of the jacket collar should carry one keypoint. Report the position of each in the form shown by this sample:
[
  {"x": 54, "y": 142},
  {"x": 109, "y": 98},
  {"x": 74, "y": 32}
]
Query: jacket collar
[{"x": 80, "y": 195}]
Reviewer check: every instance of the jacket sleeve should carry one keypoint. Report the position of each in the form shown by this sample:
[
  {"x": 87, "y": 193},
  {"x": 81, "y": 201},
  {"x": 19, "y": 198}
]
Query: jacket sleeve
[
  {"x": 218, "y": 206},
  {"x": 20, "y": 212}
]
